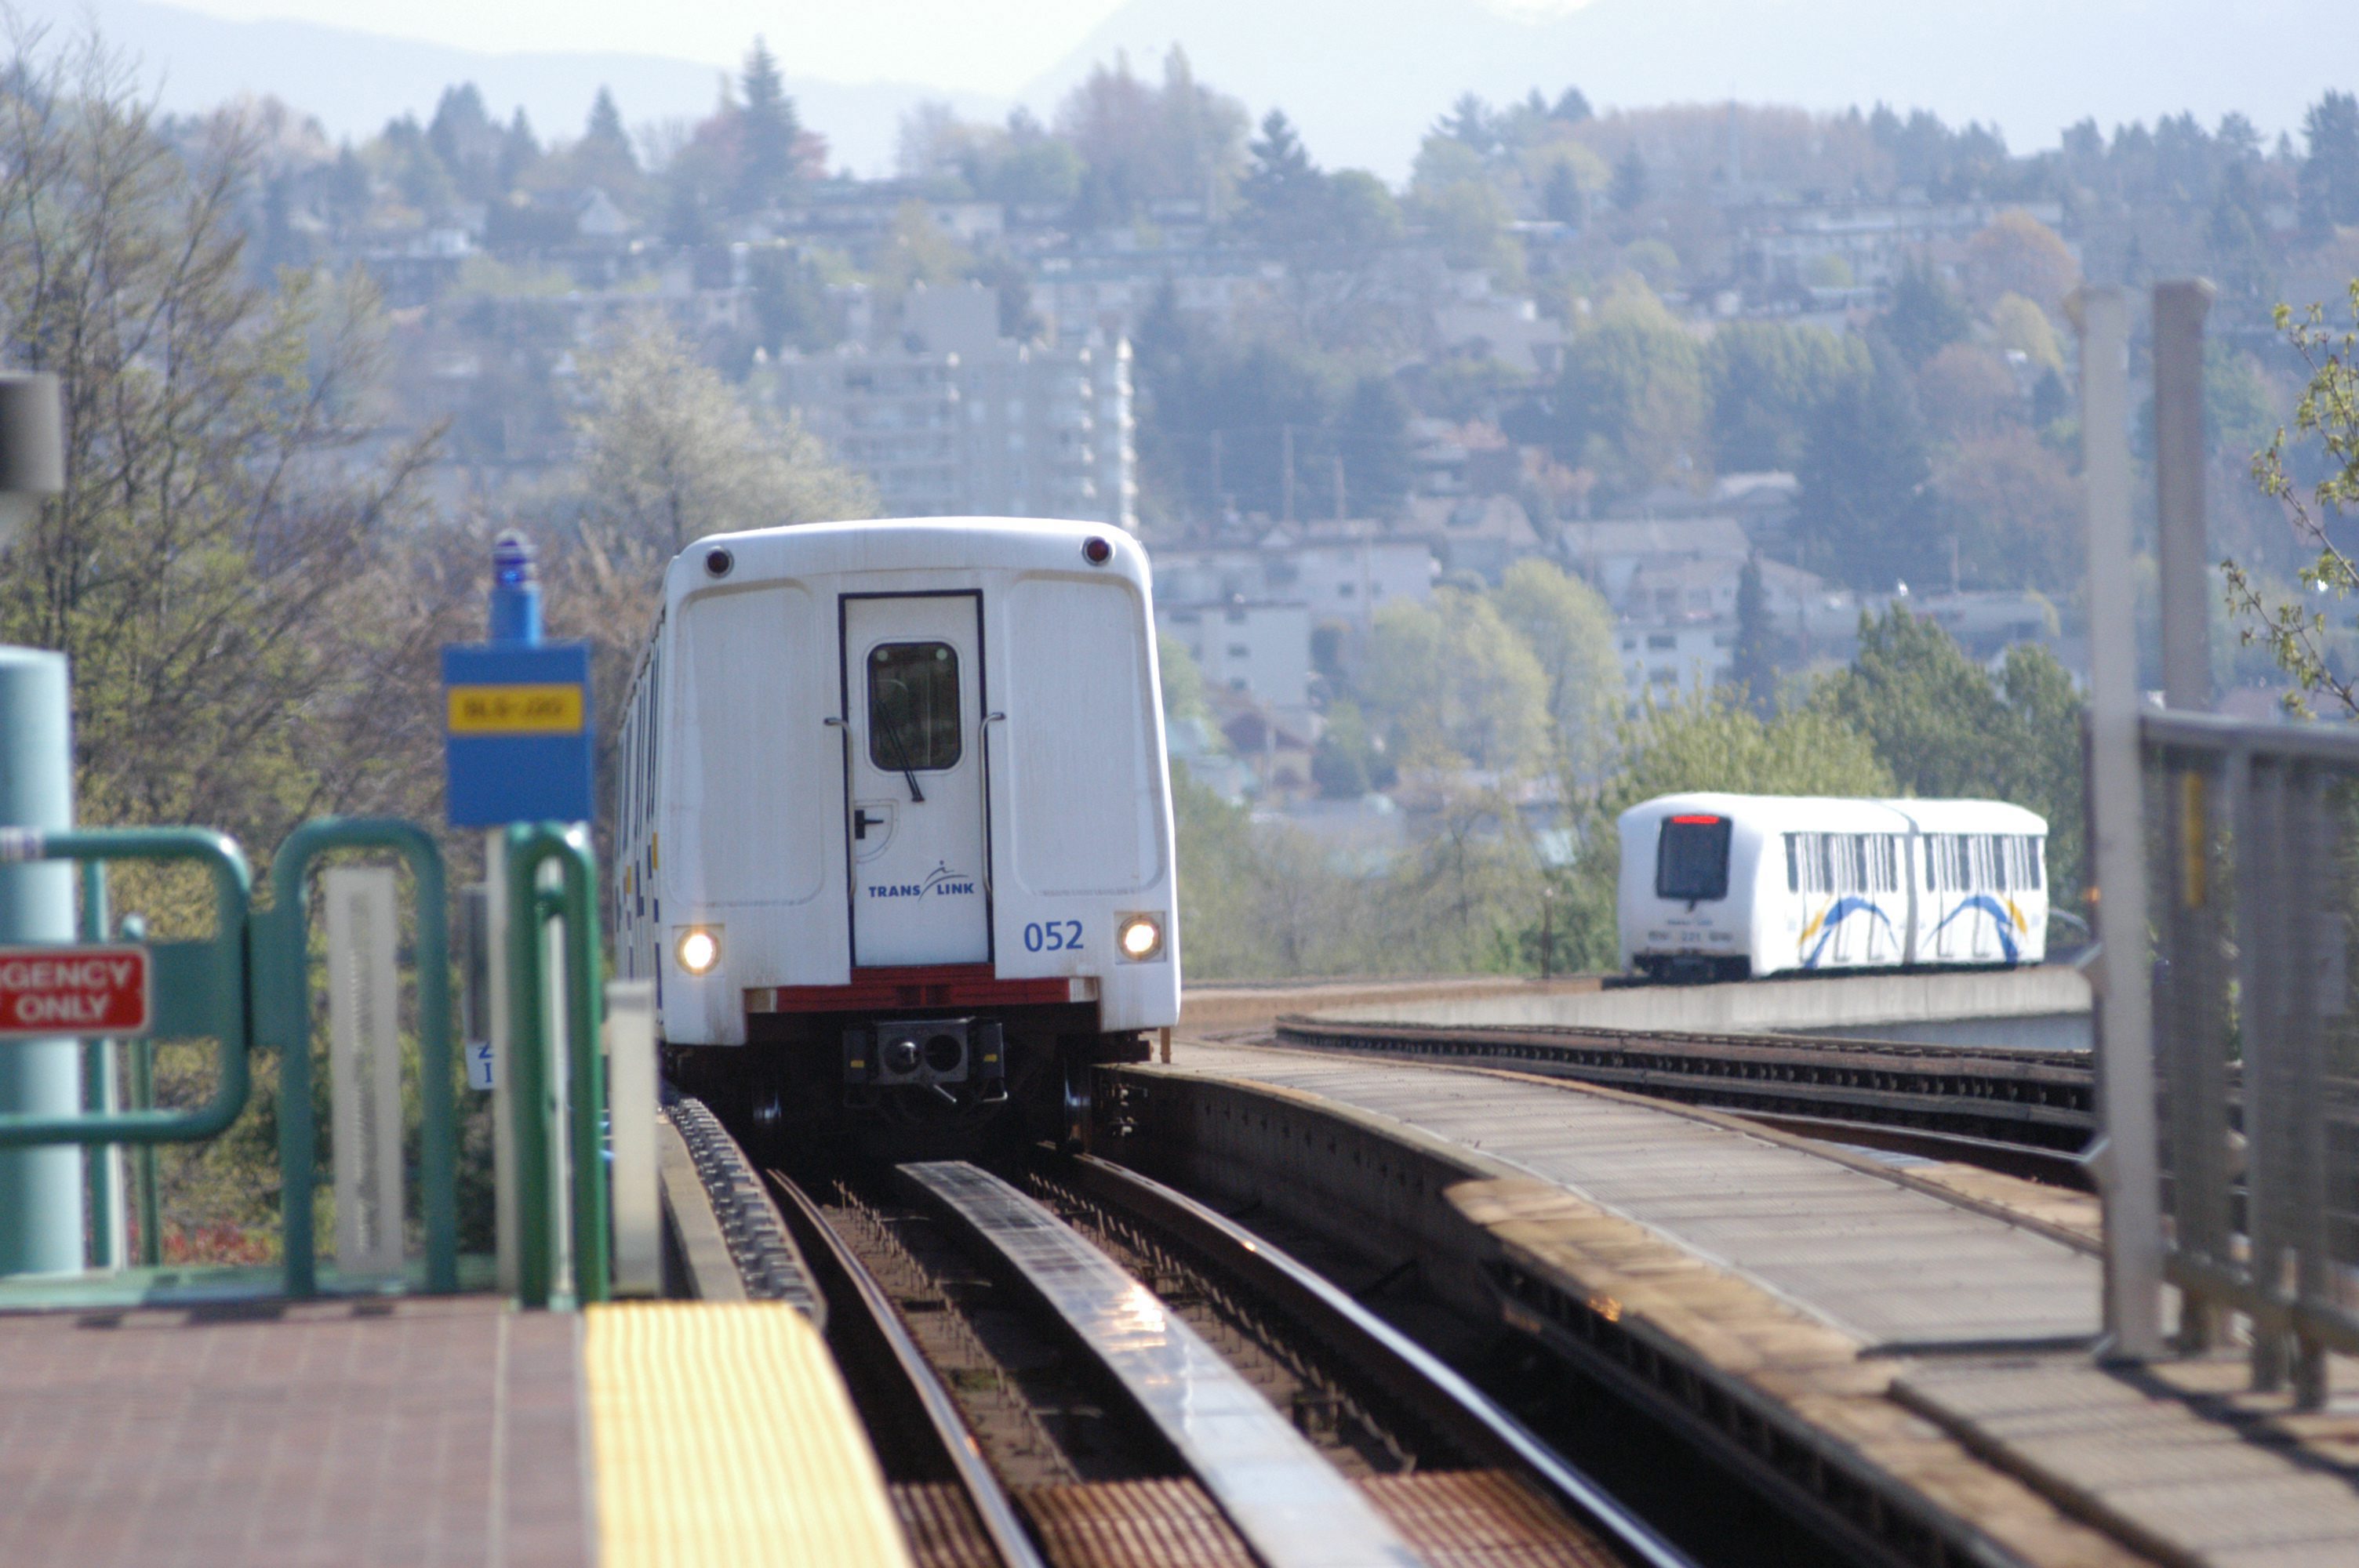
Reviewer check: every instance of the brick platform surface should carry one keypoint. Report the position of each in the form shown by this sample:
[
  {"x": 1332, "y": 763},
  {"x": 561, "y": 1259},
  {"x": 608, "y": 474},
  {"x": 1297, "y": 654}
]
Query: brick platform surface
[{"x": 339, "y": 1434}]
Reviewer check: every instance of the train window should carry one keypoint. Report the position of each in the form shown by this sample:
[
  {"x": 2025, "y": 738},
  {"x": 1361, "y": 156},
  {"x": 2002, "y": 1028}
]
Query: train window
[
  {"x": 913, "y": 707},
  {"x": 1843, "y": 862},
  {"x": 1692, "y": 858}
]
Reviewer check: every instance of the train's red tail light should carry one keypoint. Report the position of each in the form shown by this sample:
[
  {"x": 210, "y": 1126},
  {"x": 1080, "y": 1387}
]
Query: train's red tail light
[
  {"x": 1696, "y": 821},
  {"x": 1097, "y": 551}
]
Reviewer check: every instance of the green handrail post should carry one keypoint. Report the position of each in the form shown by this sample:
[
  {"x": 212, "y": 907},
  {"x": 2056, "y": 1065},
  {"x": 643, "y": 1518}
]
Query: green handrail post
[
  {"x": 200, "y": 987},
  {"x": 282, "y": 1007},
  {"x": 98, "y": 1089},
  {"x": 147, "y": 1189},
  {"x": 530, "y": 1061}
]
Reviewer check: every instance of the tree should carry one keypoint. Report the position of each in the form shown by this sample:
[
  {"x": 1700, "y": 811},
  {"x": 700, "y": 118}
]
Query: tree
[
  {"x": 1470, "y": 124},
  {"x": 1631, "y": 396},
  {"x": 1361, "y": 212},
  {"x": 1966, "y": 391},
  {"x": 1572, "y": 107},
  {"x": 1140, "y": 144},
  {"x": 2297, "y": 635},
  {"x": 767, "y": 130},
  {"x": 2017, "y": 254},
  {"x": 670, "y": 454},
  {"x": 1630, "y": 188},
  {"x": 227, "y": 568},
  {"x": 1284, "y": 194},
  {"x": 2023, "y": 328},
  {"x": 1762, "y": 382},
  {"x": 1864, "y": 510},
  {"x": 604, "y": 155},
  {"x": 1755, "y": 664},
  {"x": 2329, "y": 182},
  {"x": 466, "y": 142},
  {"x": 1569, "y": 632},
  {"x": 2015, "y": 509},
  {"x": 1945, "y": 728},
  {"x": 1451, "y": 680},
  {"x": 1926, "y": 314}
]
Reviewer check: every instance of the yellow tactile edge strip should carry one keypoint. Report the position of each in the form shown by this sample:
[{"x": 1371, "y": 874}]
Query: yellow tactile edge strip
[{"x": 722, "y": 1435}]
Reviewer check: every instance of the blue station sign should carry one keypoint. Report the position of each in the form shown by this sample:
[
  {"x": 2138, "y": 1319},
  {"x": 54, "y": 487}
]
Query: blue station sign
[{"x": 516, "y": 732}]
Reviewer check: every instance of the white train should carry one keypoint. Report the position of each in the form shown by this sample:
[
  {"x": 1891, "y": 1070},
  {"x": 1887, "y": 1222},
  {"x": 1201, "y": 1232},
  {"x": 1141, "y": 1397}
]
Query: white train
[
  {"x": 1727, "y": 886},
  {"x": 892, "y": 832}
]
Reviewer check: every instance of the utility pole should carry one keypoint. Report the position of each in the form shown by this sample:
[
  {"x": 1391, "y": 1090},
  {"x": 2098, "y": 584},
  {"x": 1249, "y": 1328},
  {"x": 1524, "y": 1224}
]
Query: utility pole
[
  {"x": 1285, "y": 439},
  {"x": 2182, "y": 557},
  {"x": 40, "y": 1188}
]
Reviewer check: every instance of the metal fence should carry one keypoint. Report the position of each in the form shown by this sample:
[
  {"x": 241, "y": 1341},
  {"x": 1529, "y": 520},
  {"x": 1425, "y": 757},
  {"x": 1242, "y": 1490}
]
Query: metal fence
[{"x": 2253, "y": 856}]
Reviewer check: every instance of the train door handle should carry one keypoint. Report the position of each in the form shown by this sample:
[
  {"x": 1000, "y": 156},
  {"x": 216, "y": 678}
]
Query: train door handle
[{"x": 861, "y": 821}]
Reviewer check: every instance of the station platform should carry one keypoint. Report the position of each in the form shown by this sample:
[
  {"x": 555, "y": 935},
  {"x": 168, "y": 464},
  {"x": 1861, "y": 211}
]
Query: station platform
[
  {"x": 1920, "y": 1333},
  {"x": 428, "y": 1431}
]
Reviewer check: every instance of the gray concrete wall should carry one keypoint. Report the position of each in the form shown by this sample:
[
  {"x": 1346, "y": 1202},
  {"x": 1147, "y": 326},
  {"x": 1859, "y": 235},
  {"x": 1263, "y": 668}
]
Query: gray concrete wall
[{"x": 1860, "y": 1004}]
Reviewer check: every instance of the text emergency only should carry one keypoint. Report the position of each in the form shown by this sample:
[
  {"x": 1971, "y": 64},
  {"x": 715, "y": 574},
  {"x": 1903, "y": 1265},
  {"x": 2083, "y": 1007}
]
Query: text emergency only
[{"x": 73, "y": 991}]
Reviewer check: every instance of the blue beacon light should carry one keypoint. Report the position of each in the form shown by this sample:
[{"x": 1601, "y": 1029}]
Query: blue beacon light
[{"x": 516, "y": 590}]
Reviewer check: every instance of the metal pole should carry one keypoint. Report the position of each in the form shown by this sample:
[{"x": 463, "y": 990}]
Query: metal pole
[
  {"x": 2184, "y": 561},
  {"x": 103, "y": 1168},
  {"x": 2126, "y": 1160},
  {"x": 40, "y": 1188}
]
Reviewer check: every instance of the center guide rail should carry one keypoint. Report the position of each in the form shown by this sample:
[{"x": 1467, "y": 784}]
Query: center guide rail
[
  {"x": 1290, "y": 1506},
  {"x": 1410, "y": 1372}
]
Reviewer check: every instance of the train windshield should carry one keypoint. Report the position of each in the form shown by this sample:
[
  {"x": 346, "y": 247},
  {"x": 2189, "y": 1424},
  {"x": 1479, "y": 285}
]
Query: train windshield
[
  {"x": 1692, "y": 858},
  {"x": 913, "y": 707}
]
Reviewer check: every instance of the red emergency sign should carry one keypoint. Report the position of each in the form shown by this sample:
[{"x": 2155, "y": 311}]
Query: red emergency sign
[{"x": 73, "y": 991}]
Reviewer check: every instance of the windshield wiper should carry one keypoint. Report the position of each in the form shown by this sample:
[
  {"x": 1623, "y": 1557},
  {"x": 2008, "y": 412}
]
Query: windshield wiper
[{"x": 896, "y": 697}]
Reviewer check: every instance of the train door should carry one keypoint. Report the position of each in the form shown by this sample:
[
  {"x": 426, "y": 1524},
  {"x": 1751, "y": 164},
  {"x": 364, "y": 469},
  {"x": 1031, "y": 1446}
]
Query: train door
[{"x": 915, "y": 811}]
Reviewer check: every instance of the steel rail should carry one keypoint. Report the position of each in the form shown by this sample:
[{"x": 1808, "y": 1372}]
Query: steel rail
[
  {"x": 2037, "y": 1100},
  {"x": 1404, "y": 1370},
  {"x": 1285, "y": 1499},
  {"x": 958, "y": 1451}
]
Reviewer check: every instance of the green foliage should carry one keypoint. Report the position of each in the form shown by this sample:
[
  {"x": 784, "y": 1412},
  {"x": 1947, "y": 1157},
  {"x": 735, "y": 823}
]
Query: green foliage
[
  {"x": 2329, "y": 176},
  {"x": 1946, "y": 729},
  {"x": 1762, "y": 381},
  {"x": 1452, "y": 680},
  {"x": 1706, "y": 742},
  {"x": 1140, "y": 144},
  {"x": 1631, "y": 187},
  {"x": 1926, "y": 314},
  {"x": 2298, "y": 636},
  {"x": 1182, "y": 681},
  {"x": 767, "y": 130},
  {"x": 1633, "y": 390},
  {"x": 1865, "y": 511},
  {"x": 1754, "y": 664},
  {"x": 1569, "y": 631}
]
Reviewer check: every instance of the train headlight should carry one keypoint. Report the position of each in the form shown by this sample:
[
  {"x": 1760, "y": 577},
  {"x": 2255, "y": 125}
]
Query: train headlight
[
  {"x": 699, "y": 948},
  {"x": 1140, "y": 937}
]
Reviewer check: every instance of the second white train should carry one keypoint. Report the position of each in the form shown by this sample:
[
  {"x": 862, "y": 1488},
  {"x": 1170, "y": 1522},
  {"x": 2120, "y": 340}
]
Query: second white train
[{"x": 1732, "y": 886}]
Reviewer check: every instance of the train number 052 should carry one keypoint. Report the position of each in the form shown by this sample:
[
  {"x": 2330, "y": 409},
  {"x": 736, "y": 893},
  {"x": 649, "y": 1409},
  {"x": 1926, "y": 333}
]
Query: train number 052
[{"x": 1052, "y": 937}]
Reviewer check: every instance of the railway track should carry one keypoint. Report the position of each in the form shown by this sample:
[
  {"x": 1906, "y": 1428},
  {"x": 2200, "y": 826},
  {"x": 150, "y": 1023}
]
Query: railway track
[
  {"x": 2025, "y": 1112},
  {"x": 1072, "y": 1365}
]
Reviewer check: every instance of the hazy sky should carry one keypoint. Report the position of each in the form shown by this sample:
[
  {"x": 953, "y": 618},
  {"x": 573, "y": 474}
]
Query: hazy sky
[{"x": 987, "y": 45}]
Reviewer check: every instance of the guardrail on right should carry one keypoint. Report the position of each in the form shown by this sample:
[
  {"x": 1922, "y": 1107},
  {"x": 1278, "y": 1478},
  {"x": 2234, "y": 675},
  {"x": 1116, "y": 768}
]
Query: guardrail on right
[{"x": 2252, "y": 867}]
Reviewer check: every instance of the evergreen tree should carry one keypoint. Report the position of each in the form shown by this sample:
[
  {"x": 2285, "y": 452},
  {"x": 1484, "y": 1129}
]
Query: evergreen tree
[
  {"x": 768, "y": 132},
  {"x": 1865, "y": 507},
  {"x": 1755, "y": 665},
  {"x": 1572, "y": 107},
  {"x": 1470, "y": 122},
  {"x": 1630, "y": 185},
  {"x": 1560, "y": 197},
  {"x": 1926, "y": 314},
  {"x": 2329, "y": 175},
  {"x": 605, "y": 140},
  {"x": 1282, "y": 190}
]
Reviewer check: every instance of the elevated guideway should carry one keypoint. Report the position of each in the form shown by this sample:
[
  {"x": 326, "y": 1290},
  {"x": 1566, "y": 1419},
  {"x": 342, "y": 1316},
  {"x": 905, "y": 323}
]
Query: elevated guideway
[
  {"x": 2047, "y": 1007},
  {"x": 1906, "y": 1361}
]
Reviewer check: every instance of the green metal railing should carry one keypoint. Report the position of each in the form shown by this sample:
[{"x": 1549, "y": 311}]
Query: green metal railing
[
  {"x": 532, "y": 1063},
  {"x": 249, "y": 984},
  {"x": 282, "y": 1009},
  {"x": 198, "y": 988}
]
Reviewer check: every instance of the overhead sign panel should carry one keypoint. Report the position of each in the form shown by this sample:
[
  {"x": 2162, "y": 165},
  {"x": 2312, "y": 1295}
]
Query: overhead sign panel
[
  {"x": 516, "y": 732},
  {"x": 75, "y": 991}
]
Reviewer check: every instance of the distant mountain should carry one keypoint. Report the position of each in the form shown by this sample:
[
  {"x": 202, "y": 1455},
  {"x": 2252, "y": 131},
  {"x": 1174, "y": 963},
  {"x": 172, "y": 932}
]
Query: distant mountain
[
  {"x": 355, "y": 82},
  {"x": 1363, "y": 78}
]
